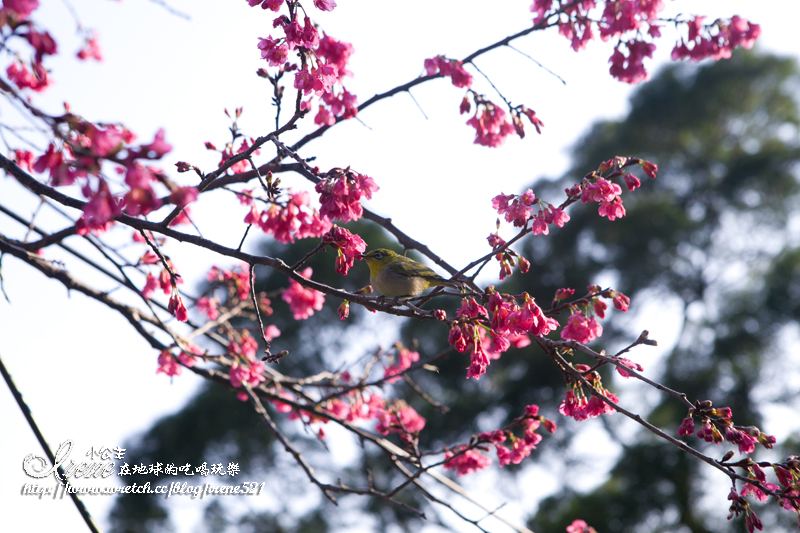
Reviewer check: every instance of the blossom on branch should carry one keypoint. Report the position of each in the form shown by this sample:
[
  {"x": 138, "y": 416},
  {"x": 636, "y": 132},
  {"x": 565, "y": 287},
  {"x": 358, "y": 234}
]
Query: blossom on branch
[
  {"x": 348, "y": 247},
  {"x": 341, "y": 192},
  {"x": 466, "y": 462},
  {"x": 302, "y": 301}
]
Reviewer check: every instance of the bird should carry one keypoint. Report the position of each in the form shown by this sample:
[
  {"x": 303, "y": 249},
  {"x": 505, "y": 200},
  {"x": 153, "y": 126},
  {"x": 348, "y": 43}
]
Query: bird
[{"x": 397, "y": 276}]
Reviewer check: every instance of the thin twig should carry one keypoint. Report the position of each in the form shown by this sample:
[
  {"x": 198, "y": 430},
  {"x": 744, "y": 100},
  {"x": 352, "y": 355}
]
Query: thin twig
[{"x": 26, "y": 412}]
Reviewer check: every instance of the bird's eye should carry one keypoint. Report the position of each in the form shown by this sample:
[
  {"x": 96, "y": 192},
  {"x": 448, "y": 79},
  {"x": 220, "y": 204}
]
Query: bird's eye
[{"x": 378, "y": 255}]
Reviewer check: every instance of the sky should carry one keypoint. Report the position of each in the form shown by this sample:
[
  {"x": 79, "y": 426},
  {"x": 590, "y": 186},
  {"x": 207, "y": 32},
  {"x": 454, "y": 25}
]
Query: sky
[{"x": 84, "y": 372}]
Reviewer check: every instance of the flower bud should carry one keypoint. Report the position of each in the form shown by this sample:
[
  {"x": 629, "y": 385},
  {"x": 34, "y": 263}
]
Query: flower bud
[
  {"x": 727, "y": 456},
  {"x": 524, "y": 265},
  {"x": 687, "y": 426}
]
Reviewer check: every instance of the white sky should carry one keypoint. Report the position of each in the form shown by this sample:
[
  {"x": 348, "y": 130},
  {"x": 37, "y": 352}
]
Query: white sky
[{"x": 84, "y": 372}]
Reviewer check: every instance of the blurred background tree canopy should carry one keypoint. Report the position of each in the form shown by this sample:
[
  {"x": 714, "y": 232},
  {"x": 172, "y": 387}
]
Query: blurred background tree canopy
[{"x": 713, "y": 241}]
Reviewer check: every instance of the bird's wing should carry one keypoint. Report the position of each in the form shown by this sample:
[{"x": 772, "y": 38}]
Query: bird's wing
[{"x": 414, "y": 269}]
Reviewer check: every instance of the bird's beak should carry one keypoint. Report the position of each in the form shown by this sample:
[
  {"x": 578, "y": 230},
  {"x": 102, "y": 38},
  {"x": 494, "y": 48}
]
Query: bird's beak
[{"x": 360, "y": 256}]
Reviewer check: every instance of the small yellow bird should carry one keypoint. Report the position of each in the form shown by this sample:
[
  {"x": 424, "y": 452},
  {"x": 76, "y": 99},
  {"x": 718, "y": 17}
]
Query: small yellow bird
[{"x": 397, "y": 276}]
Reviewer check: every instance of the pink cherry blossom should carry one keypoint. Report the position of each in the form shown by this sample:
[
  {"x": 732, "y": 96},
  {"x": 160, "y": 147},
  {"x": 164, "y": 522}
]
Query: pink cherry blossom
[
  {"x": 176, "y": 307},
  {"x": 563, "y": 294},
  {"x": 479, "y": 362},
  {"x": 612, "y": 210},
  {"x": 21, "y": 8},
  {"x": 471, "y": 309},
  {"x": 449, "y": 67},
  {"x": 302, "y": 301},
  {"x": 622, "y": 302},
  {"x": 343, "y": 105},
  {"x": 42, "y": 42},
  {"x": 158, "y": 148},
  {"x": 340, "y": 196},
  {"x": 686, "y": 427},
  {"x": 151, "y": 284},
  {"x": 559, "y": 216},
  {"x": 294, "y": 220},
  {"x": 208, "y": 306},
  {"x": 399, "y": 418},
  {"x": 336, "y": 52},
  {"x": 491, "y": 126},
  {"x": 183, "y": 196},
  {"x": 324, "y": 117},
  {"x": 37, "y": 79},
  {"x": 250, "y": 373},
  {"x": 271, "y": 332},
  {"x": 516, "y": 209},
  {"x": 99, "y": 211},
  {"x": 305, "y": 36},
  {"x": 273, "y": 50},
  {"x": 632, "y": 182},
  {"x": 274, "y": 5},
  {"x": 581, "y": 329},
  {"x": 580, "y": 526},
  {"x": 91, "y": 48},
  {"x": 403, "y": 361},
  {"x": 629, "y": 364},
  {"x": 168, "y": 365},
  {"x": 631, "y": 69},
  {"x": 466, "y": 462},
  {"x": 24, "y": 159}
]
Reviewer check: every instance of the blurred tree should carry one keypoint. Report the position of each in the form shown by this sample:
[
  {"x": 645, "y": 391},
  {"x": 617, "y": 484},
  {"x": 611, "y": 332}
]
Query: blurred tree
[{"x": 713, "y": 235}]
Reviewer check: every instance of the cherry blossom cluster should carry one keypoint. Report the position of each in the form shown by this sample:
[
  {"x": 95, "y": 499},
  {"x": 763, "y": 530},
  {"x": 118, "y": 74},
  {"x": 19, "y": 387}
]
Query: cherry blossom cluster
[
  {"x": 171, "y": 365},
  {"x": 236, "y": 279},
  {"x": 451, "y": 68},
  {"x": 577, "y": 405},
  {"x": 597, "y": 187},
  {"x": 358, "y": 404},
  {"x": 246, "y": 366},
  {"x": 580, "y": 526},
  {"x": 467, "y": 459},
  {"x": 335, "y": 103},
  {"x": 634, "y": 24},
  {"x": 399, "y": 417},
  {"x": 716, "y": 426},
  {"x": 32, "y": 74},
  {"x": 582, "y": 326},
  {"x": 787, "y": 494},
  {"x": 402, "y": 362},
  {"x": 303, "y": 301},
  {"x": 716, "y": 40},
  {"x": 491, "y": 123},
  {"x": 229, "y": 149},
  {"x": 168, "y": 281},
  {"x": 508, "y": 324},
  {"x": 236, "y": 282},
  {"x": 79, "y": 159},
  {"x": 348, "y": 247},
  {"x": 340, "y": 193},
  {"x": 323, "y": 61},
  {"x": 508, "y": 260},
  {"x": 289, "y": 220},
  {"x": 517, "y": 209},
  {"x": 15, "y": 14}
]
